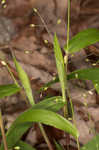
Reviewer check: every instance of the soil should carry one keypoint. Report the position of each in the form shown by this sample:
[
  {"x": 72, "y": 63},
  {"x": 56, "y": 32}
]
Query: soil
[{"x": 23, "y": 32}]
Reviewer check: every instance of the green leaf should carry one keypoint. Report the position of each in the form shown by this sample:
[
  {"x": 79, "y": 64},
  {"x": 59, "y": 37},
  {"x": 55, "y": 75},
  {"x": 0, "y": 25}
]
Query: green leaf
[
  {"x": 96, "y": 85},
  {"x": 92, "y": 145},
  {"x": 53, "y": 103},
  {"x": 47, "y": 85},
  {"x": 82, "y": 40},
  {"x": 13, "y": 135},
  {"x": 8, "y": 90},
  {"x": 25, "y": 120},
  {"x": 58, "y": 146},
  {"x": 25, "y": 81},
  {"x": 87, "y": 74},
  {"x": 60, "y": 65},
  {"x": 23, "y": 146},
  {"x": 47, "y": 117},
  {"x": 83, "y": 74}
]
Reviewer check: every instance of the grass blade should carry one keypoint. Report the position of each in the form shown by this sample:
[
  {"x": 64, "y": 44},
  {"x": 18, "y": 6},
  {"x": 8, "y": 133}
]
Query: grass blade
[
  {"x": 53, "y": 103},
  {"x": 58, "y": 146},
  {"x": 83, "y": 74},
  {"x": 60, "y": 66},
  {"x": 24, "y": 146},
  {"x": 26, "y": 119},
  {"x": 87, "y": 74},
  {"x": 82, "y": 40},
  {"x": 8, "y": 90},
  {"x": 25, "y": 81},
  {"x": 14, "y": 136},
  {"x": 47, "y": 85},
  {"x": 47, "y": 117}
]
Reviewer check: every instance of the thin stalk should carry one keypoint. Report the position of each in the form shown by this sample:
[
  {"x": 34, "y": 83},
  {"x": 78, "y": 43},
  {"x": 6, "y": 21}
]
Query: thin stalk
[
  {"x": 36, "y": 11},
  {"x": 45, "y": 136},
  {"x": 12, "y": 75},
  {"x": 11, "y": 49},
  {"x": 15, "y": 81},
  {"x": 71, "y": 104},
  {"x": 5, "y": 64},
  {"x": 66, "y": 63},
  {"x": 68, "y": 24},
  {"x": 68, "y": 28},
  {"x": 66, "y": 57},
  {"x": 63, "y": 92},
  {"x": 78, "y": 145},
  {"x": 66, "y": 66},
  {"x": 2, "y": 131},
  {"x": 65, "y": 111},
  {"x": 40, "y": 125}
]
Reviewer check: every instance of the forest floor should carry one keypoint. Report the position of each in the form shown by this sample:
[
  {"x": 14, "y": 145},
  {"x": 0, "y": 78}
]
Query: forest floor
[{"x": 22, "y": 30}]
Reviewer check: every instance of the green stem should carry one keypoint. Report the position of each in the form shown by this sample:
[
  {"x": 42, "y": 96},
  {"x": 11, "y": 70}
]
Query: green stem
[
  {"x": 68, "y": 24},
  {"x": 36, "y": 11},
  {"x": 2, "y": 131},
  {"x": 78, "y": 145},
  {"x": 66, "y": 58},
  {"x": 12, "y": 75},
  {"x": 71, "y": 104},
  {"x": 45, "y": 136},
  {"x": 68, "y": 27},
  {"x": 40, "y": 125},
  {"x": 66, "y": 62},
  {"x": 5, "y": 64},
  {"x": 65, "y": 110}
]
